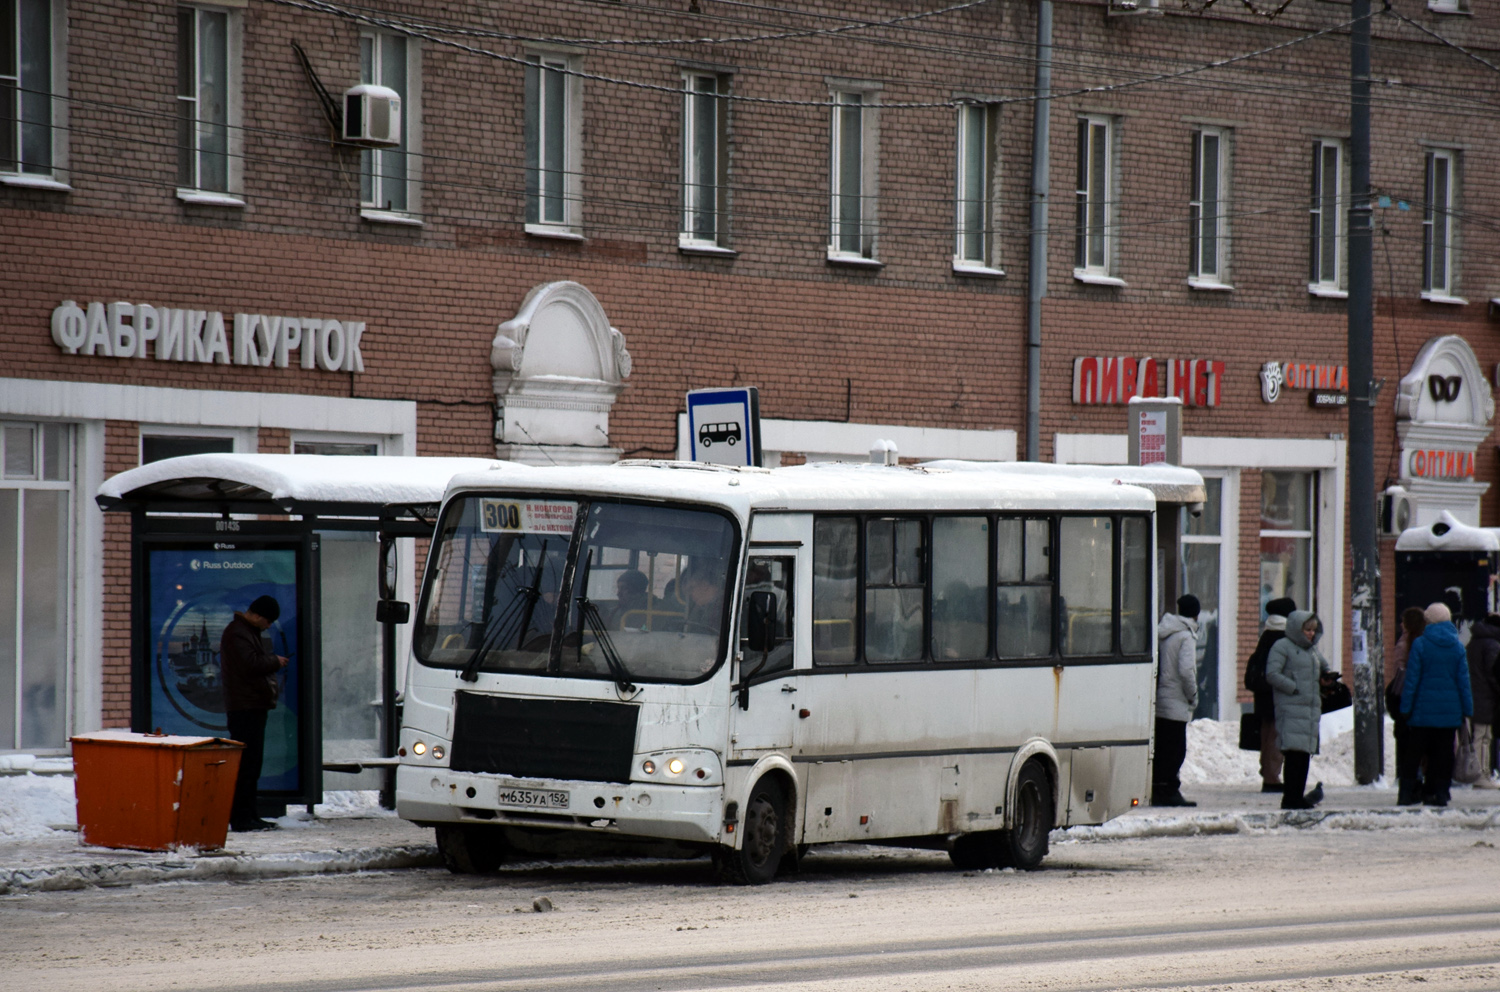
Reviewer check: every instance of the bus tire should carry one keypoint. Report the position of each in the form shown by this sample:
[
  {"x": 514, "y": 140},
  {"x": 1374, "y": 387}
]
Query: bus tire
[
  {"x": 976, "y": 851},
  {"x": 764, "y": 841},
  {"x": 1024, "y": 845},
  {"x": 470, "y": 850}
]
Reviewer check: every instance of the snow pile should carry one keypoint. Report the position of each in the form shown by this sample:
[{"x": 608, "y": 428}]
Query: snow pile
[
  {"x": 1214, "y": 756},
  {"x": 338, "y": 804},
  {"x": 31, "y": 804}
]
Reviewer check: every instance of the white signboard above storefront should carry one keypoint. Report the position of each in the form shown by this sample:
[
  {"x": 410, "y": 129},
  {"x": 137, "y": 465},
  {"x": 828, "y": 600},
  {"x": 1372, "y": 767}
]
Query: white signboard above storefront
[{"x": 167, "y": 334}]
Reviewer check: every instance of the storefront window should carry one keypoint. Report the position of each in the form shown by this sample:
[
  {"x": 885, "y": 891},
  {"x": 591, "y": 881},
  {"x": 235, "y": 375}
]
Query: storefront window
[
  {"x": 36, "y": 500},
  {"x": 1287, "y": 525},
  {"x": 1202, "y": 551}
]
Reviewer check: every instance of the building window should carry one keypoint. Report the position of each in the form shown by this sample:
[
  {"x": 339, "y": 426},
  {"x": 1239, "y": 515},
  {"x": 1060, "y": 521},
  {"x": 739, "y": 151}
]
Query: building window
[
  {"x": 705, "y": 161},
  {"x": 207, "y": 138},
  {"x": 1326, "y": 219},
  {"x": 155, "y": 447},
  {"x": 1208, "y": 231},
  {"x": 36, "y": 507},
  {"x": 552, "y": 133},
  {"x": 29, "y": 63},
  {"x": 1287, "y": 526},
  {"x": 974, "y": 245},
  {"x": 1202, "y": 559},
  {"x": 853, "y": 177},
  {"x": 342, "y": 448},
  {"x": 1448, "y": 6},
  {"x": 1437, "y": 224},
  {"x": 387, "y": 175},
  {"x": 1094, "y": 248}
]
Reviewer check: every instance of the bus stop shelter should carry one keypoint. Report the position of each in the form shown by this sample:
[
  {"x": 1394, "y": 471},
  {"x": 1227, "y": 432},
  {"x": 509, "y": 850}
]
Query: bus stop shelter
[{"x": 334, "y": 539}]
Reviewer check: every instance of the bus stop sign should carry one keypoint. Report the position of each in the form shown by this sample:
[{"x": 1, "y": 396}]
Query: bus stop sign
[{"x": 724, "y": 425}]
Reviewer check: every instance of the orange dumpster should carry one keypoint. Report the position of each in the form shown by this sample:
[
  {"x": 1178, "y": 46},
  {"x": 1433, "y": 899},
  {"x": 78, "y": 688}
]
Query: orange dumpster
[{"x": 154, "y": 792}]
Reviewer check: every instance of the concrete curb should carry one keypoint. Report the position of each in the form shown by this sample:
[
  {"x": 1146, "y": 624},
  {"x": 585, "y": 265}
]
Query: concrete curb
[
  {"x": 1228, "y": 822},
  {"x": 203, "y": 867}
]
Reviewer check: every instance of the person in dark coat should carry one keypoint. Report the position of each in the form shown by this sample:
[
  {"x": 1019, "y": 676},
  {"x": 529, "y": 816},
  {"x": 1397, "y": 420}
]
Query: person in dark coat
[
  {"x": 1408, "y": 758},
  {"x": 247, "y": 672},
  {"x": 1484, "y": 683},
  {"x": 1296, "y": 671},
  {"x": 1435, "y": 698},
  {"x": 1277, "y": 610}
]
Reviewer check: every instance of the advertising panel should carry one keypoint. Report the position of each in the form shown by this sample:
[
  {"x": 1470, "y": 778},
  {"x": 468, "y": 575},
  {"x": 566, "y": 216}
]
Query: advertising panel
[{"x": 193, "y": 592}]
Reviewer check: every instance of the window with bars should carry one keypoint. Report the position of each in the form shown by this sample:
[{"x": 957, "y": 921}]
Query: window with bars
[
  {"x": 974, "y": 245},
  {"x": 552, "y": 187},
  {"x": 1094, "y": 242},
  {"x": 386, "y": 180},
  {"x": 705, "y": 161},
  {"x": 853, "y": 176},
  {"x": 1325, "y": 217},
  {"x": 203, "y": 99},
  {"x": 1437, "y": 223},
  {"x": 26, "y": 87},
  {"x": 1207, "y": 226}
]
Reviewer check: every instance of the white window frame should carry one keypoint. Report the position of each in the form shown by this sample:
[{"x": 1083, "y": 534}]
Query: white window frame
[
  {"x": 570, "y": 224},
  {"x": 867, "y": 196},
  {"x": 68, "y": 565},
  {"x": 1439, "y": 230},
  {"x": 1095, "y": 191},
  {"x": 1208, "y": 256},
  {"x": 1448, "y": 6},
  {"x": 700, "y": 197},
  {"x": 1320, "y": 204},
  {"x": 194, "y": 191},
  {"x": 55, "y": 175},
  {"x": 374, "y": 208},
  {"x": 976, "y": 123}
]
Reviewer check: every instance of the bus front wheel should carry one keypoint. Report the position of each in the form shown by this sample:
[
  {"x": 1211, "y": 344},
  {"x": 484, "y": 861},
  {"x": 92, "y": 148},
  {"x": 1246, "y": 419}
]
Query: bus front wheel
[
  {"x": 1024, "y": 845},
  {"x": 470, "y": 850},
  {"x": 763, "y": 842}
]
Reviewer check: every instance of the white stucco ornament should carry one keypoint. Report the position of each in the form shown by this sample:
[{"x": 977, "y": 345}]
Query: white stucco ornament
[
  {"x": 558, "y": 367},
  {"x": 1444, "y": 410}
]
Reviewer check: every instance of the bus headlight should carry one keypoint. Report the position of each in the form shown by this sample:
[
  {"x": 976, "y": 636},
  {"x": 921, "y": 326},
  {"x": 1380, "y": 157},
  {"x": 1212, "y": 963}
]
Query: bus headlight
[
  {"x": 419, "y": 749},
  {"x": 698, "y": 766},
  {"x": 437, "y": 752},
  {"x": 648, "y": 766},
  {"x": 675, "y": 767}
]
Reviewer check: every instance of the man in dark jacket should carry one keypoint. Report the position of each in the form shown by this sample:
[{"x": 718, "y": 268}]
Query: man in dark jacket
[
  {"x": 1484, "y": 685},
  {"x": 247, "y": 672},
  {"x": 1277, "y": 610}
]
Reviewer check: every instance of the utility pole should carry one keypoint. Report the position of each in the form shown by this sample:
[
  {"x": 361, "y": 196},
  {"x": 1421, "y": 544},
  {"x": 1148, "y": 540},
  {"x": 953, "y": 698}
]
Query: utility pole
[
  {"x": 1364, "y": 600},
  {"x": 1036, "y": 275}
]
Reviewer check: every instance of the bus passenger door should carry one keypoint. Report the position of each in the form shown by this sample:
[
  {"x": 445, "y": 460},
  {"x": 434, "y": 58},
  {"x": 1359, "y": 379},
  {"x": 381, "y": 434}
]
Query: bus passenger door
[{"x": 765, "y": 701}]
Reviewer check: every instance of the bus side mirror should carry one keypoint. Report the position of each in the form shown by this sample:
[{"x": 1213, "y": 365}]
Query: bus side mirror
[
  {"x": 760, "y": 621},
  {"x": 392, "y": 611}
]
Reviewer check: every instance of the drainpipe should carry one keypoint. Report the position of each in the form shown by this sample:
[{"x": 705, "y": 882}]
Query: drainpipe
[{"x": 1036, "y": 267}]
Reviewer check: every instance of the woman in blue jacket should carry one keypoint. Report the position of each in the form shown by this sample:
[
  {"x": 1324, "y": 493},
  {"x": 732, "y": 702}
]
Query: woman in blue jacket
[{"x": 1435, "y": 699}]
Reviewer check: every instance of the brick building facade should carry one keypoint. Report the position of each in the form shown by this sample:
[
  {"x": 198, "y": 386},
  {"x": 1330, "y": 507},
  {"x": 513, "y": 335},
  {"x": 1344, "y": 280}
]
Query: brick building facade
[{"x": 847, "y": 229}]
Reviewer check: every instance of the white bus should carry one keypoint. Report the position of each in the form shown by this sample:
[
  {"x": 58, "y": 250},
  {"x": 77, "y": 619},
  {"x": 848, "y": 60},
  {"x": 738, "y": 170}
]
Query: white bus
[{"x": 750, "y": 661}]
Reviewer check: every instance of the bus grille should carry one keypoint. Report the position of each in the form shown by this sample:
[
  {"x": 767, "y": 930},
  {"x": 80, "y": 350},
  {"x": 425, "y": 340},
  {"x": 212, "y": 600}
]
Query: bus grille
[{"x": 543, "y": 738}]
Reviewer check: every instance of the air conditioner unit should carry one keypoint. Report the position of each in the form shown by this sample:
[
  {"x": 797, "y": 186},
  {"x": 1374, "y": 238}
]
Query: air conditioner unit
[
  {"x": 1397, "y": 510},
  {"x": 372, "y": 116}
]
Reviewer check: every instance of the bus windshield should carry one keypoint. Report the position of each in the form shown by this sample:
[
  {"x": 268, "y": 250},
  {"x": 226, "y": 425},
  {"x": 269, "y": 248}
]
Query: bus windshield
[{"x": 581, "y": 588}]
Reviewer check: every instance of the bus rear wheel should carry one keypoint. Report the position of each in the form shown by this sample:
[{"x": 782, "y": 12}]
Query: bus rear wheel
[
  {"x": 763, "y": 841},
  {"x": 1024, "y": 845},
  {"x": 470, "y": 850}
]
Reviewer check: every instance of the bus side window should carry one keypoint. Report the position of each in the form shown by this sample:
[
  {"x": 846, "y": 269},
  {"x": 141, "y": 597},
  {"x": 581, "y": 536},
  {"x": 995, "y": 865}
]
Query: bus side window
[
  {"x": 772, "y": 575},
  {"x": 1023, "y": 593},
  {"x": 1086, "y": 579},
  {"x": 1135, "y": 585},
  {"x": 960, "y": 597},
  {"x": 835, "y": 589},
  {"x": 894, "y": 590}
]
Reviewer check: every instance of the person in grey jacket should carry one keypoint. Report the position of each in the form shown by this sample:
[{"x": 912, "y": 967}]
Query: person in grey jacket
[
  {"x": 1176, "y": 698},
  {"x": 1296, "y": 672}
]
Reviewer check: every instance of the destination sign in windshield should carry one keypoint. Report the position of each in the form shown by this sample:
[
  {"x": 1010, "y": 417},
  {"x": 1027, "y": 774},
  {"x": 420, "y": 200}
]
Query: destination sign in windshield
[{"x": 529, "y": 516}]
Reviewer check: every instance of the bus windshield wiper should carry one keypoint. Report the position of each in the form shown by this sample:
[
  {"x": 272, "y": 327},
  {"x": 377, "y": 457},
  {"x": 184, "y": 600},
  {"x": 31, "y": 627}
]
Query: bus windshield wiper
[
  {"x": 498, "y": 631},
  {"x": 589, "y": 613}
]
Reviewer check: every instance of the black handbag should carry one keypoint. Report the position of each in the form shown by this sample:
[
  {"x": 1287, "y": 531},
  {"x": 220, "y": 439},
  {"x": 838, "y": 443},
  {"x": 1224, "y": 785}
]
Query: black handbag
[
  {"x": 1336, "y": 695},
  {"x": 1250, "y": 731}
]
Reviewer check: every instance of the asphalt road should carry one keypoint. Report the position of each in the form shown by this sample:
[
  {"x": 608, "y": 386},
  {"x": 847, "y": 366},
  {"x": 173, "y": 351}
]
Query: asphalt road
[{"x": 1290, "y": 910}]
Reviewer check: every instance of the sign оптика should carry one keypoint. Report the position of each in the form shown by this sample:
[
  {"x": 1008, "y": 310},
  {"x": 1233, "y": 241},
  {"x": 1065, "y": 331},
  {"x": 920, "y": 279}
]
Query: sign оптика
[{"x": 134, "y": 330}]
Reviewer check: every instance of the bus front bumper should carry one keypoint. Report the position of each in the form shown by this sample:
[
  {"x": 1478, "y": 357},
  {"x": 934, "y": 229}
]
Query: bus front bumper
[{"x": 438, "y": 795}]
